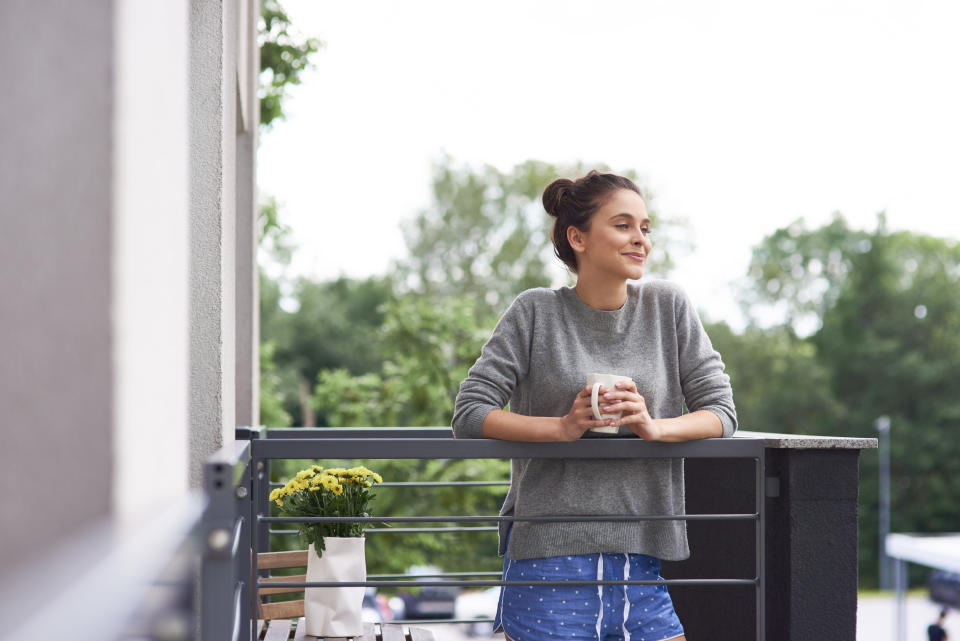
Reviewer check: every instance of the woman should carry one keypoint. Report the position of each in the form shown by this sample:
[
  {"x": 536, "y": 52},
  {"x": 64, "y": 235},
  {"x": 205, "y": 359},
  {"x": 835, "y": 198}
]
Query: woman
[{"x": 537, "y": 360}]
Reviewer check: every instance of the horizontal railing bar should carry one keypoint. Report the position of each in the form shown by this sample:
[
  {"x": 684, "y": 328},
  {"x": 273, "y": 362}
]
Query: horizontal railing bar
[
  {"x": 427, "y": 483},
  {"x": 436, "y": 621},
  {"x": 409, "y": 530},
  {"x": 431, "y": 576},
  {"x": 421, "y": 448},
  {"x": 582, "y": 518},
  {"x": 491, "y": 584}
]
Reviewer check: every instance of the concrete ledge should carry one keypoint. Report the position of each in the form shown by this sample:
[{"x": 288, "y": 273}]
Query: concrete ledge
[{"x": 808, "y": 442}]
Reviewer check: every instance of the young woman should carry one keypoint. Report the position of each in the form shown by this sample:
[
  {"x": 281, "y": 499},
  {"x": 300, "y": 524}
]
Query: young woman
[{"x": 537, "y": 360}]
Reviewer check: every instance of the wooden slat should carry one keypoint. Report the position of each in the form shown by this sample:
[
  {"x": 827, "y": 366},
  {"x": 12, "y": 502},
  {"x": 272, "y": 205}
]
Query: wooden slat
[
  {"x": 421, "y": 634},
  {"x": 301, "y": 633},
  {"x": 278, "y": 630},
  {"x": 282, "y": 579},
  {"x": 369, "y": 633},
  {"x": 392, "y": 632},
  {"x": 283, "y": 610},
  {"x": 274, "y": 560}
]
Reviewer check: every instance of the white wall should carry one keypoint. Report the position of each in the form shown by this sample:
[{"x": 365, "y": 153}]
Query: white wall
[{"x": 150, "y": 258}]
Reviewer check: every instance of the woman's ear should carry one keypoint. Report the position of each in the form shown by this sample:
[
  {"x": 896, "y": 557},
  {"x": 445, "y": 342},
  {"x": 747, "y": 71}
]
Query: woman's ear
[{"x": 576, "y": 239}]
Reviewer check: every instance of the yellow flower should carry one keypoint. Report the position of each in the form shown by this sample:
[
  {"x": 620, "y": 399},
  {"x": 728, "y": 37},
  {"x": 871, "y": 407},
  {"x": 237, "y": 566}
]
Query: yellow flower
[
  {"x": 304, "y": 474},
  {"x": 377, "y": 478},
  {"x": 367, "y": 484},
  {"x": 315, "y": 488},
  {"x": 335, "y": 471},
  {"x": 329, "y": 482},
  {"x": 275, "y": 494},
  {"x": 317, "y": 469},
  {"x": 338, "y": 490}
]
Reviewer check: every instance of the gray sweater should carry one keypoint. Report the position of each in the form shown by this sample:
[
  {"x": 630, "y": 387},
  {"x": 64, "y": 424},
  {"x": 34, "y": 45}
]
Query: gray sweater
[{"x": 537, "y": 360}]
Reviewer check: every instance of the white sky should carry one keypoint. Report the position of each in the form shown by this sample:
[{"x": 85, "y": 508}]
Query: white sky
[{"x": 741, "y": 116}]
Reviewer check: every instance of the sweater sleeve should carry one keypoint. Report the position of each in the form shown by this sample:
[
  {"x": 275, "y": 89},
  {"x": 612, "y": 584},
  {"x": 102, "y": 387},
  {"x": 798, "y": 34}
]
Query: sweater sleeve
[
  {"x": 503, "y": 362},
  {"x": 705, "y": 384}
]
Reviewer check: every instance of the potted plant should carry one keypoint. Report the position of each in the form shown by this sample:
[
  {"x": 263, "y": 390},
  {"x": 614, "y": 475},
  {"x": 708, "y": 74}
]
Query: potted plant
[{"x": 335, "y": 551}]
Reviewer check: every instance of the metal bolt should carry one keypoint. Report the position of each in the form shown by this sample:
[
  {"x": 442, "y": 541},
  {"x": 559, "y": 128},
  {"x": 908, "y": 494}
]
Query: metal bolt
[
  {"x": 241, "y": 492},
  {"x": 219, "y": 539},
  {"x": 260, "y": 465}
]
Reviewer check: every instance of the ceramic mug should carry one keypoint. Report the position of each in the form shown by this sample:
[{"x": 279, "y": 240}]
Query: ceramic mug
[{"x": 609, "y": 381}]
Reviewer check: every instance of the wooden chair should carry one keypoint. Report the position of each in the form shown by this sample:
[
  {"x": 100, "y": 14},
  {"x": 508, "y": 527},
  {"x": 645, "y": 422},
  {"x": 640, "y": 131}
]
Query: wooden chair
[{"x": 276, "y": 621}]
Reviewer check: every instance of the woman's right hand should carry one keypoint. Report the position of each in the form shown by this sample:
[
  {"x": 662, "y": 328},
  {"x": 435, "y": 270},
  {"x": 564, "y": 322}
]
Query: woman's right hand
[{"x": 580, "y": 417}]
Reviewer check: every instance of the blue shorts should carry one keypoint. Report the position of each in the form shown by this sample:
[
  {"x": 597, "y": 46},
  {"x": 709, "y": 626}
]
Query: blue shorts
[{"x": 600, "y": 613}]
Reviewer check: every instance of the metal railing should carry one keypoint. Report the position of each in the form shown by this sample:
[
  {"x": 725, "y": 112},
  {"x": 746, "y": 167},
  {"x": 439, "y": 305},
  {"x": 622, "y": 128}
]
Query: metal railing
[{"x": 242, "y": 522}]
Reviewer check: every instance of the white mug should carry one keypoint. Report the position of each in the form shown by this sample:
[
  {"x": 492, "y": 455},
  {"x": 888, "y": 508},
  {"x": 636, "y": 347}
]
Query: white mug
[{"x": 609, "y": 381}]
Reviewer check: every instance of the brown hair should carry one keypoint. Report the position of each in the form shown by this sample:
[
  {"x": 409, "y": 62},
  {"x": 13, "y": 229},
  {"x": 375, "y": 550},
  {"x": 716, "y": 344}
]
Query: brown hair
[{"x": 574, "y": 202}]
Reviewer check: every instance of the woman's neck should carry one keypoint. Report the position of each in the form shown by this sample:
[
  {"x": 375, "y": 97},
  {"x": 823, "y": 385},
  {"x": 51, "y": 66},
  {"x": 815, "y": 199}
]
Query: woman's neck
[{"x": 603, "y": 294}]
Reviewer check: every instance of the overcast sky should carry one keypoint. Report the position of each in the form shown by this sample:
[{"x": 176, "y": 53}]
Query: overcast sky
[{"x": 739, "y": 116}]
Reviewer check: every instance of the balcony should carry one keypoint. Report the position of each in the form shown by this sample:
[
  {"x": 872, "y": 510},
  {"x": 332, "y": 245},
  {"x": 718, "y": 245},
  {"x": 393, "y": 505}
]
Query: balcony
[
  {"x": 772, "y": 523},
  {"x": 771, "y": 520}
]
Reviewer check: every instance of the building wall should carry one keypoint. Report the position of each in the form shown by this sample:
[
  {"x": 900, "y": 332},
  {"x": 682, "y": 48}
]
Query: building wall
[
  {"x": 150, "y": 257},
  {"x": 223, "y": 259},
  {"x": 56, "y": 339},
  {"x": 119, "y": 180}
]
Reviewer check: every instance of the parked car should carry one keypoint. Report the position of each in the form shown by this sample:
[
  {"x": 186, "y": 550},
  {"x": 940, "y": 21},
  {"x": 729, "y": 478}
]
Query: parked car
[{"x": 430, "y": 601}]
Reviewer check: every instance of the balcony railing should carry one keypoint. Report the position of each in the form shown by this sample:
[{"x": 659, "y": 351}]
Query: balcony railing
[{"x": 770, "y": 514}]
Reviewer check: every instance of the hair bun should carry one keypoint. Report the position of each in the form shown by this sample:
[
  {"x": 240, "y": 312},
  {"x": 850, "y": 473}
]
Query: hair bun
[{"x": 554, "y": 194}]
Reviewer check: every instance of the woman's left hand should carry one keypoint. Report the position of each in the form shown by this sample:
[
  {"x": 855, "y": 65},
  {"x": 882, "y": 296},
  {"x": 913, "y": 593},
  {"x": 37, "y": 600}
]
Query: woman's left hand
[{"x": 626, "y": 399}]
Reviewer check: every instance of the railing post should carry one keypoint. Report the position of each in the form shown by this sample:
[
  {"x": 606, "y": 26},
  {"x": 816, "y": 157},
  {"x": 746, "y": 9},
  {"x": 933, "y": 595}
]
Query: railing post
[{"x": 224, "y": 537}]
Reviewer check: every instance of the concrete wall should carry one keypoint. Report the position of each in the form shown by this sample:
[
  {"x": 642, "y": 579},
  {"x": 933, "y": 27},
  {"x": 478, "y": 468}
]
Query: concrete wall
[
  {"x": 56, "y": 339},
  {"x": 223, "y": 119},
  {"x": 122, "y": 183}
]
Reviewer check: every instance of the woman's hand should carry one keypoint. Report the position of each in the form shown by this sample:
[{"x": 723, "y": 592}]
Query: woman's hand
[
  {"x": 580, "y": 417},
  {"x": 625, "y": 398}
]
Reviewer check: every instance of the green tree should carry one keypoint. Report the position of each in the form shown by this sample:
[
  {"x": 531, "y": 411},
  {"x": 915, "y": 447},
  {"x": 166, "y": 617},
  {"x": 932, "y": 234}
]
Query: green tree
[
  {"x": 779, "y": 383},
  {"x": 487, "y": 237},
  {"x": 796, "y": 273},
  {"x": 427, "y": 350},
  {"x": 887, "y": 342},
  {"x": 284, "y": 56},
  {"x": 335, "y": 324}
]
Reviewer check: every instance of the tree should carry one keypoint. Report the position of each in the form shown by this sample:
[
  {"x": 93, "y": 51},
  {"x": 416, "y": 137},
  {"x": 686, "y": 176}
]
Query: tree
[
  {"x": 887, "y": 343},
  {"x": 796, "y": 274},
  {"x": 335, "y": 324},
  {"x": 487, "y": 237},
  {"x": 284, "y": 56},
  {"x": 778, "y": 380},
  {"x": 427, "y": 350}
]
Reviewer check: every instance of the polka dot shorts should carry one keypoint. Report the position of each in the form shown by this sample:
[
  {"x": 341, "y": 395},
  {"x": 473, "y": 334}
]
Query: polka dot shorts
[{"x": 601, "y": 613}]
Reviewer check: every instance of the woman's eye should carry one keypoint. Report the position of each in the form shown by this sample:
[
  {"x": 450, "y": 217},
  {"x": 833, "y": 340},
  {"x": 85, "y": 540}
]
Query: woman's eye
[
  {"x": 622, "y": 226},
  {"x": 645, "y": 230}
]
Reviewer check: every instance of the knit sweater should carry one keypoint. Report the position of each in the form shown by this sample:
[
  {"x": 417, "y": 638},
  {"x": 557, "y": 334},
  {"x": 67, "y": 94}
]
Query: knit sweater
[{"x": 537, "y": 360}]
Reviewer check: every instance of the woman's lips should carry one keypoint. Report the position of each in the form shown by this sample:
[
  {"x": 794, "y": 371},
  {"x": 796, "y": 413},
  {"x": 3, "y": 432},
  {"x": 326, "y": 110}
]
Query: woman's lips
[{"x": 637, "y": 257}]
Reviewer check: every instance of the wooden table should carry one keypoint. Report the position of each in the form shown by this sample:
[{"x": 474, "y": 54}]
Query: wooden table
[{"x": 284, "y": 629}]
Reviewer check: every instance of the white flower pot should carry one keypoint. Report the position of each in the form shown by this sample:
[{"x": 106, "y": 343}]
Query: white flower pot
[{"x": 335, "y": 612}]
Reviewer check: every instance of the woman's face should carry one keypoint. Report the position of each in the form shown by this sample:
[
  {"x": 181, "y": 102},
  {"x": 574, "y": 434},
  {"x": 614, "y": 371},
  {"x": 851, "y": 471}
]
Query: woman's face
[{"x": 617, "y": 244}]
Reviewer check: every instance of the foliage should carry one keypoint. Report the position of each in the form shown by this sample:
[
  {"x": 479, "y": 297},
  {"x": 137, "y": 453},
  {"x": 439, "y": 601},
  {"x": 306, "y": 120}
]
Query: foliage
[
  {"x": 487, "y": 237},
  {"x": 284, "y": 55},
  {"x": 271, "y": 402},
  {"x": 796, "y": 274},
  {"x": 336, "y": 492},
  {"x": 888, "y": 343},
  {"x": 780, "y": 385},
  {"x": 427, "y": 350}
]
